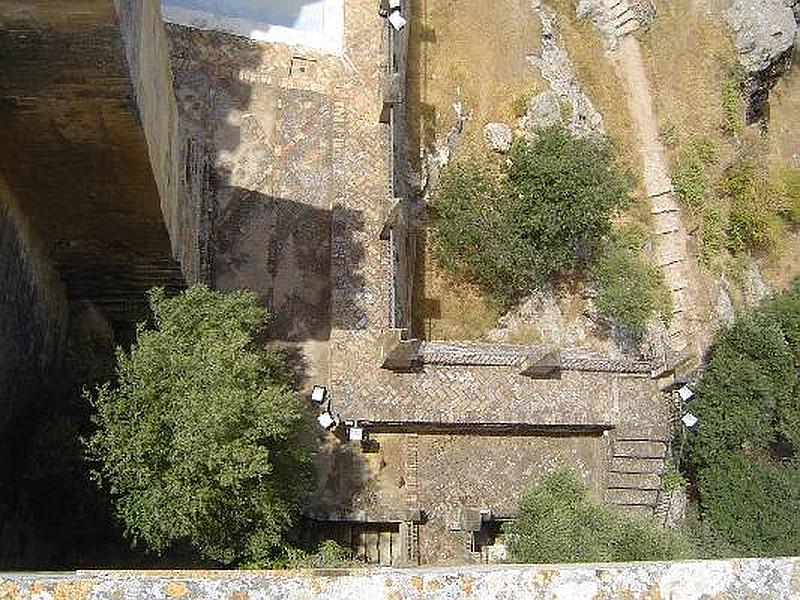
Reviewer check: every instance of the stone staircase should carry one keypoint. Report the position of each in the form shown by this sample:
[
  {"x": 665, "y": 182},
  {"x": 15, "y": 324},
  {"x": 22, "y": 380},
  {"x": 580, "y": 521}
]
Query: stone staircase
[
  {"x": 621, "y": 17},
  {"x": 634, "y": 477}
]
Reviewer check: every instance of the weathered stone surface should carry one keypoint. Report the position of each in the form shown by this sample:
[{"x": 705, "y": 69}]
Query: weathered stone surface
[
  {"x": 765, "y": 32},
  {"x": 638, "y": 465},
  {"x": 498, "y": 136},
  {"x": 767, "y": 578},
  {"x": 724, "y": 308},
  {"x": 755, "y": 288},
  {"x": 640, "y": 448},
  {"x": 543, "y": 111},
  {"x": 646, "y": 481},
  {"x": 557, "y": 68},
  {"x": 87, "y": 145},
  {"x": 631, "y": 496},
  {"x": 33, "y": 312}
]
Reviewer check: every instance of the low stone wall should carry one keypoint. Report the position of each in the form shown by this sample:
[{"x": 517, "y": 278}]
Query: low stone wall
[
  {"x": 740, "y": 578},
  {"x": 402, "y": 240}
]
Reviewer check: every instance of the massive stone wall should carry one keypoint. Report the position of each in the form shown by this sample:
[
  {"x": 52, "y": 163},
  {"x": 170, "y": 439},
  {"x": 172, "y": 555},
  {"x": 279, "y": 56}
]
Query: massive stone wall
[
  {"x": 740, "y": 578},
  {"x": 33, "y": 312},
  {"x": 90, "y": 146}
]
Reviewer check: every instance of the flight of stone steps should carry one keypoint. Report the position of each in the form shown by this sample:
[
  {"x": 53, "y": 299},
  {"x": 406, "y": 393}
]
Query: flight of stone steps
[
  {"x": 621, "y": 17},
  {"x": 634, "y": 477},
  {"x": 672, "y": 256}
]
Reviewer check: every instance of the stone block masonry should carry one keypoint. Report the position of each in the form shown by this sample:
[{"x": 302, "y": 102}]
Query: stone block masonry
[
  {"x": 33, "y": 312},
  {"x": 738, "y": 578},
  {"x": 90, "y": 146}
]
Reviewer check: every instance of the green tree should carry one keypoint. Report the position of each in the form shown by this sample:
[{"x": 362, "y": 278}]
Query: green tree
[
  {"x": 557, "y": 522},
  {"x": 538, "y": 216},
  {"x": 743, "y": 453},
  {"x": 201, "y": 439}
]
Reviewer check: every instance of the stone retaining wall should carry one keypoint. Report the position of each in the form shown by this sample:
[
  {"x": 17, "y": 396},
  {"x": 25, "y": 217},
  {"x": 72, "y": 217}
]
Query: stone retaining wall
[{"x": 740, "y": 578}]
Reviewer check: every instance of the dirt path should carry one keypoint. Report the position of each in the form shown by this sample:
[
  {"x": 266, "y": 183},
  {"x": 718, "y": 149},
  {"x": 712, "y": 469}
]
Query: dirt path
[{"x": 670, "y": 243}]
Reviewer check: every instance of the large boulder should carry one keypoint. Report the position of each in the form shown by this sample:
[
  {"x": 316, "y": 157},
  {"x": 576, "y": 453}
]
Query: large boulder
[
  {"x": 765, "y": 32},
  {"x": 544, "y": 110},
  {"x": 498, "y": 136}
]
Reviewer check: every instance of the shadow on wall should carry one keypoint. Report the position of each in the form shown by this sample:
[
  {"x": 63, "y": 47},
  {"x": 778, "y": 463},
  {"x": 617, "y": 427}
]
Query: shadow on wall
[
  {"x": 272, "y": 183},
  {"x": 272, "y": 189}
]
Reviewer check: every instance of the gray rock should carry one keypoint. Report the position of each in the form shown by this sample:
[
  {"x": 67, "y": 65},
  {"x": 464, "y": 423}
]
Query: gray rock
[
  {"x": 543, "y": 111},
  {"x": 557, "y": 69},
  {"x": 645, "y": 12},
  {"x": 498, "y": 136},
  {"x": 724, "y": 308},
  {"x": 765, "y": 33},
  {"x": 755, "y": 288}
]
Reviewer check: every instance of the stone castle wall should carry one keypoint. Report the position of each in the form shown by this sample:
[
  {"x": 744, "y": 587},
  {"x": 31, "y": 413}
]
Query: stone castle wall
[
  {"x": 33, "y": 312},
  {"x": 91, "y": 150},
  {"x": 738, "y": 578},
  {"x": 403, "y": 237}
]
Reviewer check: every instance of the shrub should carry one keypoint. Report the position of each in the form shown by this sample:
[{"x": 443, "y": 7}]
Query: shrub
[
  {"x": 705, "y": 149},
  {"x": 668, "y": 133},
  {"x": 200, "y": 441},
  {"x": 750, "y": 374},
  {"x": 790, "y": 180},
  {"x": 328, "y": 555},
  {"x": 732, "y": 104},
  {"x": 630, "y": 290},
  {"x": 690, "y": 180},
  {"x": 712, "y": 234},
  {"x": 557, "y": 522},
  {"x": 753, "y": 223},
  {"x": 547, "y": 209},
  {"x": 743, "y": 453},
  {"x": 673, "y": 481},
  {"x": 755, "y": 504},
  {"x": 519, "y": 105}
]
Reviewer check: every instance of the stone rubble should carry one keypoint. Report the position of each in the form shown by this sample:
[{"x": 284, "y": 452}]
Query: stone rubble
[{"x": 557, "y": 69}]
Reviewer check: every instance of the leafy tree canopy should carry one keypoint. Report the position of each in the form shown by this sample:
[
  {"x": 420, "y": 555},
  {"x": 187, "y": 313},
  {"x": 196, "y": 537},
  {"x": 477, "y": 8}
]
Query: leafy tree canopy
[
  {"x": 536, "y": 217},
  {"x": 743, "y": 453},
  {"x": 557, "y": 522},
  {"x": 200, "y": 439}
]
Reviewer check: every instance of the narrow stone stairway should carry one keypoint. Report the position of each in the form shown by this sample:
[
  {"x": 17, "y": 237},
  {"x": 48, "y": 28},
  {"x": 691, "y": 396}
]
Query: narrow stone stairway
[
  {"x": 634, "y": 478},
  {"x": 621, "y": 16}
]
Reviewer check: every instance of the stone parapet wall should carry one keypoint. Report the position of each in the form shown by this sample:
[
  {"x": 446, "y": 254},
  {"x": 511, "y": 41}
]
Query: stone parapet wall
[
  {"x": 738, "y": 578},
  {"x": 477, "y": 354},
  {"x": 402, "y": 240}
]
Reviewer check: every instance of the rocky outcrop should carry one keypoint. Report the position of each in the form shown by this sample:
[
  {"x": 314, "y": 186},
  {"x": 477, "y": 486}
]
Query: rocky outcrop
[
  {"x": 498, "y": 137},
  {"x": 543, "y": 111},
  {"x": 765, "y": 33},
  {"x": 556, "y": 67}
]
